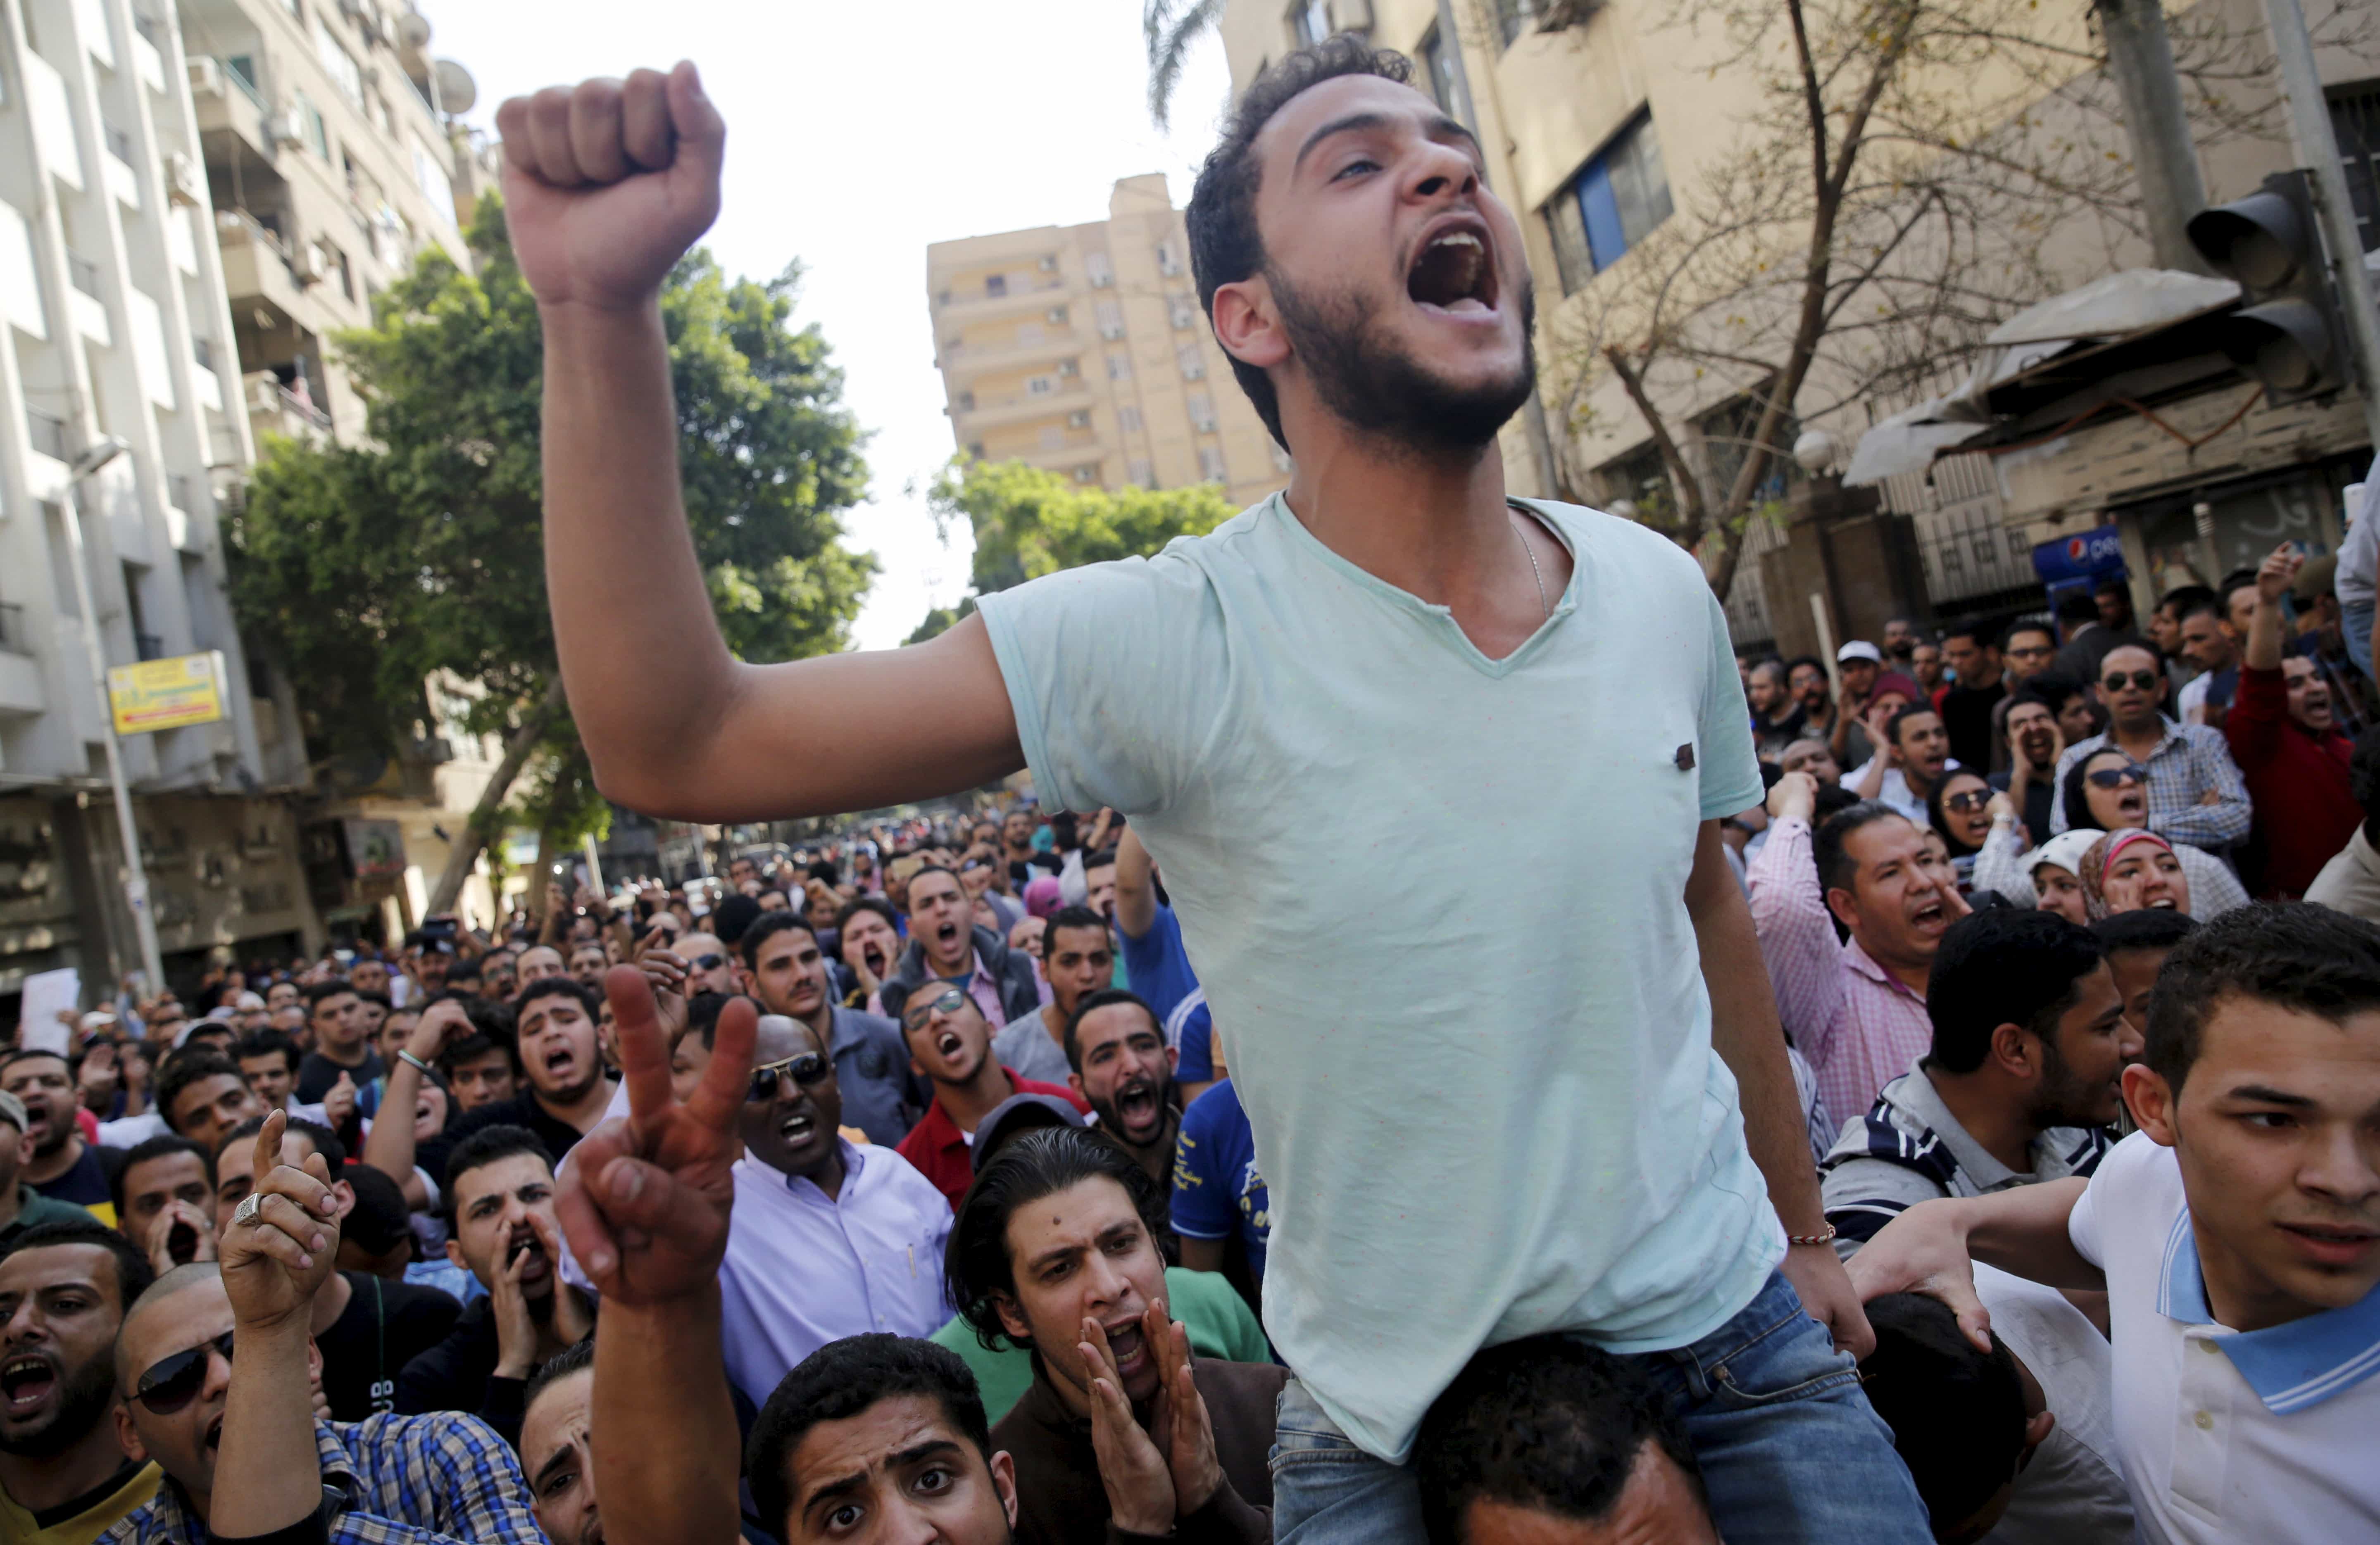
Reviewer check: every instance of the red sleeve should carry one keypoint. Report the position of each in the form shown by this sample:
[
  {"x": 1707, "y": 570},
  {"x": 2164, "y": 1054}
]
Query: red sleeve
[{"x": 2260, "y": 710}]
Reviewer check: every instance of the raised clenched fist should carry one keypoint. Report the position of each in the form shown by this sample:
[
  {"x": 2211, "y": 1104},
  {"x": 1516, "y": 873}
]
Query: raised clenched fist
[{"x": 608, "y": 183}]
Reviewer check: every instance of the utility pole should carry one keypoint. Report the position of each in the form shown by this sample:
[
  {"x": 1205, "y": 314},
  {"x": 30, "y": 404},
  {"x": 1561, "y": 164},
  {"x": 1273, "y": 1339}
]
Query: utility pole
[
  {"x": 135, "y": 877},
  {"x": 2165, "y": 158},
  {"x": 2317, "y": 151}
]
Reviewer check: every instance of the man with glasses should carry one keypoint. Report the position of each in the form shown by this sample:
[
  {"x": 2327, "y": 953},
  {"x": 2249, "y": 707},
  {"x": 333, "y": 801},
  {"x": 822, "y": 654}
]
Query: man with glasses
[
  {"x": 950, "y": 1045},
  {"x": 63, "y": 1288},
  {"x": 827, "y": 1238},
  {"x": 2194, "y": 792},
  {"x": 270, "y": 1469},
  {"x": 787, "y": 972}
]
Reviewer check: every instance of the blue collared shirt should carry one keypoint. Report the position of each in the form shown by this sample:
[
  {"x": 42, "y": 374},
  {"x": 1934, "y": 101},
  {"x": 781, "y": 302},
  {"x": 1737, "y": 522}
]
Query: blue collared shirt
[
  {"x": 2259, "y": 1437},
  {"x": 2190, "y": 762},
  {"x": 397, "y": 1480}
]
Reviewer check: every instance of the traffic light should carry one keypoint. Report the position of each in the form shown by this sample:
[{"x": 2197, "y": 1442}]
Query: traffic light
[{"x": 2287, "y": 333}]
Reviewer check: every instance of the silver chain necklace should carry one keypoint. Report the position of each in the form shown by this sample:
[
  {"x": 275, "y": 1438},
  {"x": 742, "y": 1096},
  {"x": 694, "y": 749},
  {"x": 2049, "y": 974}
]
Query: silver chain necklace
[{"x": 1535, "y": 573}]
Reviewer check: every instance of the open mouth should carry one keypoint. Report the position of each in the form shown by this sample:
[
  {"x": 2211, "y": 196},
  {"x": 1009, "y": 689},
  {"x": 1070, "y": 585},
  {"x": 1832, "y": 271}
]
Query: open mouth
[
  {"x": 874, "y": 956},
  {"x": 1137, "y": 1104},
  {"x": 537, "y": 1266},
  {"x": 1454, "y": 272},
  {"x": 949, "y": 1043},
  {"x": 25, "y": 1383},
  {"x": 946, "y": 931},
  {"x": 1127, "y": 1344},
  {"x": 562, "y": 1060},
  {"x": 1929, "y": 917},
  {"x": 797, "y": 1128},
  {"x": 214, "y": 1434}
]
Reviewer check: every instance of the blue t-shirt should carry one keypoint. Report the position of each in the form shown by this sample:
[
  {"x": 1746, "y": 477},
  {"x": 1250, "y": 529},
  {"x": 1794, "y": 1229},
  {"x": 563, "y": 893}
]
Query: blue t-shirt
[
  {"x": 1191, "y": 1029},
  {"x": 1157, "y": 965},
  {"x": 1217, "y": 1191}
]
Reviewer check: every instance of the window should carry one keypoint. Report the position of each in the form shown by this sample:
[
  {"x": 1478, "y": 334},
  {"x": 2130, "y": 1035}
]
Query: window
[
  {"x": 1128, "y": 419},
  {"x": 974, "y": 448},
  {"x": 436, "y": 186},
  {"x": 1512, "y": 18},
  {"x": 1442, "y": 58},
  {"x": 1079, "y": 420},
  {"x": 338, "y": 264},
  {"x": 966, "y": 402},
  {"x": 339, "y": 63},
  {"x": 1727, "y": 433},
  {"x": 1143, "y": 473},
  {"x": 2355, "y": 122},
  {"x": 1110, "y": 316},
  {"x": 1087, "y": 473},
  {"x": 1642, "y": 478},
  {"x": 1055, "y": 316},
  {"x": 1202, "y": 412},
  {"x": 1119, "y": 367},
  {"x": 996, "y": 285},
  {"x": 1070, "y": 367},
  {"x": 1184, "y": 311},
  {"x": 1210, "y": 463},
  {"x": 317, "y": 134},
  {"x": 1049, "y": 262},
  {"x": 1039, "y": 386},
  {"x": 1169, "y": 259},
  {"x": 1101, "y": 272},
  {"x": 242, "y": 68},
  {"x": 1309, "y": 21},
  {"x": 1193, "y": 363},
  {"x": 1613, "y": 203}
]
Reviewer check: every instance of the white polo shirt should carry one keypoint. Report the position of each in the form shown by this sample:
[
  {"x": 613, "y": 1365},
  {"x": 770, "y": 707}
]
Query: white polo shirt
[{"x": 2267, "y": 1437}]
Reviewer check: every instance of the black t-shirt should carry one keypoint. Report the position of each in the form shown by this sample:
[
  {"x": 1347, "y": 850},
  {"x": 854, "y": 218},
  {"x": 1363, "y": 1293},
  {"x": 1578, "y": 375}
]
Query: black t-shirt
[
  {"x": 2039, "y": 797},
  {"x": 317, "y": 1074},
  {"x": 386, "y": 1324},
  {"x": 1967, "y": 719},
  {"x": 521, "y": 1110},
  {"x": 87, "y": 1182}
]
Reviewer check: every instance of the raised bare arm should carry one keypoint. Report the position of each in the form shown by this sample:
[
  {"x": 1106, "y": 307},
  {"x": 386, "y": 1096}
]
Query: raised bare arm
[{"x": 606, "y": 185}]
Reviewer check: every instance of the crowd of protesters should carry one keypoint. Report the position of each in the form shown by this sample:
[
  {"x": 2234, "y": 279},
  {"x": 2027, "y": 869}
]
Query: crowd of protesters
[{"x": 1452, "y": 1061}]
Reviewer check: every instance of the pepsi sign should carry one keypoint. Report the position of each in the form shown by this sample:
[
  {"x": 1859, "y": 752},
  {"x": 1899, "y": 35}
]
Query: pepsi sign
[{"x": 2086, "y": 555}]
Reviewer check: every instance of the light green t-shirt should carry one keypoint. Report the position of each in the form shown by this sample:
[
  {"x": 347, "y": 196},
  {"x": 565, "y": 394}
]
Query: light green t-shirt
[
  {"x": 1437, "y": 903},
  {"x": 1220, "y": 1323}
]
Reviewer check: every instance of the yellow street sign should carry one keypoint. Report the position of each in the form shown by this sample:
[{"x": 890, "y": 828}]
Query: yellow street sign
[{"x": 168, "y": 694}]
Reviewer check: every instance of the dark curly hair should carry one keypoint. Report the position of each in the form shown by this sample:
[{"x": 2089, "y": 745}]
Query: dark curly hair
[
  {"x": 976, "y": 1265},
  {"x": 840, "y": 1381},
  {"x": 1225, "y": 246},
  {"x": 2296, "y": 955}
]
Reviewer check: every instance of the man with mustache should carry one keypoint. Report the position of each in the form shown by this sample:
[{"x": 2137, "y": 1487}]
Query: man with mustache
[
  {"x": 869, "y": 939},
  {"x": 950, "y": 1047},
  {"x": 63, "y": 1288},
  {"x": 62, "y": 1166},
  {"x": 1123, "y": 1067},
  {"x": 786, "y": 971},
  {"x": 2194, "y": 792},
  {"x": 502, "y": 1229}
]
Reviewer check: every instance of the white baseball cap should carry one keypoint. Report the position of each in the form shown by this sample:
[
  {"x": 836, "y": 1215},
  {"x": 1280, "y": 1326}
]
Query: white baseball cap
[
  {"x": 2065, "y": 850},
  {"x": 1859, "y": 649}
]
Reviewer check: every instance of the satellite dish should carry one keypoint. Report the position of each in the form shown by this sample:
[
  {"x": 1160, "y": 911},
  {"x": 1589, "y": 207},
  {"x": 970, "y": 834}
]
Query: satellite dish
[
  {"x": 456, "y": 89},
  {"x": 413, "y": 31}
]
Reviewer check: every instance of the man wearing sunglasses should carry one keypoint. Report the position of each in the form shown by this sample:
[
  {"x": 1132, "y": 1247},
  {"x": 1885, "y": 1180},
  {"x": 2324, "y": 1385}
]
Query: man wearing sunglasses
[
  {"x": 63, "y": 1288},
  {"x": 264, "y": 1464},
  {"x": 2194, "y": 792},
  {"x": 787, "y": 972},
  {"x": 950, "y": 1045}
]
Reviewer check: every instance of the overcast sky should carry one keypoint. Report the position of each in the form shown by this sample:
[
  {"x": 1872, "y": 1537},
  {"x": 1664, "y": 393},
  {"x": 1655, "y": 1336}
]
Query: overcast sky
[{"x": 857, "y": 135}]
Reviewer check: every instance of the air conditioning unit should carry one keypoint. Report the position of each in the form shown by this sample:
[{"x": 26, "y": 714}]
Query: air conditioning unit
[
  {"x": 1204, "y": 425},
  {"x": 185, "y": 184},
  {"x": 1079, "y": 420},
  {"x": 286, "y": 127},
  {"x": 1194, "y": 369},
  {"x": 1056, "y": 316},
  {"x": 1049, "y": 262},
  {"x": 1069, "y": 368},
  {"x": 1103, "y": 280},
  {"x": 306, "y": 264},
  {"x": 264, "y": 394},
  {"x": 1113, "y": 332},
  {"x": 206, "y": 76}
]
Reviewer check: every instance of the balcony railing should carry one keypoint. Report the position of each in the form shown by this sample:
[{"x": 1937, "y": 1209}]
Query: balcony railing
[
  {"x": 148, "y": 645},
  {"x": 233, "y": 73},
  {"x": 12, "y": 629},
  {"x": 83, "y": 275},
  {"x": 48, "y": 433}
]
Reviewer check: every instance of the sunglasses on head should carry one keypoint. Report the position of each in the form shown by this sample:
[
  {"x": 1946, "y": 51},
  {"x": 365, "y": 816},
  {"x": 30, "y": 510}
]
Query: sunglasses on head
[
  {"x": 2116, "y": 778},
  {"x": 805, "y": 1068},
  {"x": 173, "y": 1383},
  {"x": 2142, "y": 681},
  {"x": 947, "y": 1001},
  {"x": 1974, "y": 799}
]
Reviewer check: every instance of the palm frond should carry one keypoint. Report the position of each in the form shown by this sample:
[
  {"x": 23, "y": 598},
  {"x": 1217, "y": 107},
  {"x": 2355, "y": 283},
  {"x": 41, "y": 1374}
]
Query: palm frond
[{"x": 1172, "y": 27}]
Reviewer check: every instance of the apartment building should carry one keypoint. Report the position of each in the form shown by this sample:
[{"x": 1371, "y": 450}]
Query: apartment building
[
  {"x": 1600, "y": 121},
  {"x": 1083, "y": 349},
  {"x": 119, "y": 325}
]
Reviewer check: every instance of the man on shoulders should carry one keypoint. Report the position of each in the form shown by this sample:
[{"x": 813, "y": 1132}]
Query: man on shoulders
[
  {"x": 2237, "y": 1236},
  {"x": 950, "y": 1045},
  {"x": 1078, "y": 959},
  {"x": 1855, "y": 1008},
  {"x": 787, "y": 971},
  {"x": 2030, "y": 1045},
  {"x": 65, "y": 1284}
]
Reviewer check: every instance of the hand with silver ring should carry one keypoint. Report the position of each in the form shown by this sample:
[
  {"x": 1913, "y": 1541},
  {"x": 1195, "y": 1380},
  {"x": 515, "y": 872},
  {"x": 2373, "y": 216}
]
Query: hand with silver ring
[
  {"x": 282, "y": 1238},
  {"x": 246, "y": 1211}
]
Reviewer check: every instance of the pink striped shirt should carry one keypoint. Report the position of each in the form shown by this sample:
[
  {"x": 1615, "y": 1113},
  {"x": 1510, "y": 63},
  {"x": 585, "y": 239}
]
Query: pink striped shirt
[{"x": 1859, "y": 1027}]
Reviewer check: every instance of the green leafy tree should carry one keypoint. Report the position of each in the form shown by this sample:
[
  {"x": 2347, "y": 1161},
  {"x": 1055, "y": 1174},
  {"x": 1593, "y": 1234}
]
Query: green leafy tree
[
  {"x": 367, "y": 570},
  {"x": 1028, "y": 522}
]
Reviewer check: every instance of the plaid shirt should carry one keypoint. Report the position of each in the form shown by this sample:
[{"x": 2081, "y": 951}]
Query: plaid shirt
[
  {"x": 393, "y": 1481},
  {"x": 1858, "y": 1026},
  {"x": 2191, "y": 760}
]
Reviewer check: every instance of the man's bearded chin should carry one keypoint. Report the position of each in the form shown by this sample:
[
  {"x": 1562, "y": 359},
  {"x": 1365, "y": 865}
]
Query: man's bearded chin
[{"x": 1386, "y": 394}]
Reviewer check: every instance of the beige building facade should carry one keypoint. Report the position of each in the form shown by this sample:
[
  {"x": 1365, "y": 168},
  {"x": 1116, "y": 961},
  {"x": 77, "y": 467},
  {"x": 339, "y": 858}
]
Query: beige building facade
[{"x": 1082, "y": 349}]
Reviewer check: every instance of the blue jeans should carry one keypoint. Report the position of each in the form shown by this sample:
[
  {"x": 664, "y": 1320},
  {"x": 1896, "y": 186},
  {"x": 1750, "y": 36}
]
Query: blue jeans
[{"x": 1791, "y": 1452}]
